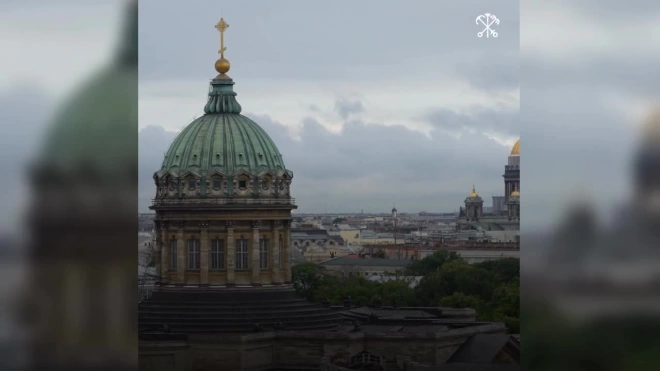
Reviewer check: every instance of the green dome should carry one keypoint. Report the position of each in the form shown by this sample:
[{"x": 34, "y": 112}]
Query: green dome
[{"x": 222, "y": 143}]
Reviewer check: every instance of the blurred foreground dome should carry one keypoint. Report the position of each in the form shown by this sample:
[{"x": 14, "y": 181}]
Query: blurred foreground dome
[
  {"x": 95, "y": 133},
  {"x": 78, "y": 303}
]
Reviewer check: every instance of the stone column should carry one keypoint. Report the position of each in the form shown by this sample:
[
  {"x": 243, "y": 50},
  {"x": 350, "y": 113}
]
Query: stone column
[
  {"x": 286, "y": 252},
  {"x": 181, "y": 256},
  {"x": 204, "y": 254},
  {"x": 256, "y": 270},
  {"x": 164, "y": 253},
  {"x": 230, "y": 250},
  {"x": 275, "y": 260}
]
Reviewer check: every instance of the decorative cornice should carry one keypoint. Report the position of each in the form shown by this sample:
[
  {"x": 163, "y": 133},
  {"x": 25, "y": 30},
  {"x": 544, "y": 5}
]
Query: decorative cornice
[
  {"x": 204, "y": 224},
  {"x": 256, "y": 224},
  {"x": 277, "y": 224},
  {"x": 229, "y": 224}
]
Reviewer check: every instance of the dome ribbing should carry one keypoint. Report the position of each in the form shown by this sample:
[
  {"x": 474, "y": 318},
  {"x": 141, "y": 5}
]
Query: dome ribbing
[{"x": 222, "y": 141}]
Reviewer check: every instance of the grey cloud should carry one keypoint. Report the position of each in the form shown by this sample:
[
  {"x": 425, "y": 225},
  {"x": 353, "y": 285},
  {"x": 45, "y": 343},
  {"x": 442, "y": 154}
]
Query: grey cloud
[
  {"x": 478, "y": 118},
  {"x": 496, "y": 70},
  {"x": 346, "y": 108},
  {"x": 613, "y": 11},
  {"x": 153, "y": 142},
  {"x": 390, "y": 164},
  {"x": 607, "y": 72}
]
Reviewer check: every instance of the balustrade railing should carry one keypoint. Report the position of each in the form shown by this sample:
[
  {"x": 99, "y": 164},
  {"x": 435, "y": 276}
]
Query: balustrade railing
[{"x": 223, "y": 201}]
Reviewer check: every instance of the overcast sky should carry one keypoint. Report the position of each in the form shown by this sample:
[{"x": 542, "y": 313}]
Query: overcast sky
[{"x": 371, "y": 102}]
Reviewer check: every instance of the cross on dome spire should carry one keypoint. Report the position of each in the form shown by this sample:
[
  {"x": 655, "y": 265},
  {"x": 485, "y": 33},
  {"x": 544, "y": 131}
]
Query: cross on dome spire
[{"x": 222, "y": 65}]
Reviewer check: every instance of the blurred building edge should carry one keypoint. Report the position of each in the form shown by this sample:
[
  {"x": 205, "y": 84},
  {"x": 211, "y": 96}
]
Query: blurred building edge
[
  {"x": 79, "y": 306},
  {"x": 607, "y": 271},
  {"x": 647, "y": 170}
]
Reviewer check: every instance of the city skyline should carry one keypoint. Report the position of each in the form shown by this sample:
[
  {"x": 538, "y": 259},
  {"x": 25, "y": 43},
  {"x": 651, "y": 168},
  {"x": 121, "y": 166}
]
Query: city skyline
[{"x": 331, "y": 114}]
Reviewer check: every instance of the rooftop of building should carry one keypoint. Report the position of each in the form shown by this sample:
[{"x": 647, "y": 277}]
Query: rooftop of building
[
  {"x": 366, "y": 233},
  {"x": 474, "y": 245},
  {"x": 372, "y": 262}
]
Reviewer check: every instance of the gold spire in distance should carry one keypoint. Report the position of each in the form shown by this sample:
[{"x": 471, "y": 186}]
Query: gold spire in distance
[
  {"x": 474, "y": 193},
  {"x": 222, "y": 65}
]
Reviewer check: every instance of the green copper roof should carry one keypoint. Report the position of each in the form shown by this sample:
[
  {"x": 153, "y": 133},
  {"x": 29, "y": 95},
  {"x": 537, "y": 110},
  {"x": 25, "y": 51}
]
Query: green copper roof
[{"x": 222, "y": 141}]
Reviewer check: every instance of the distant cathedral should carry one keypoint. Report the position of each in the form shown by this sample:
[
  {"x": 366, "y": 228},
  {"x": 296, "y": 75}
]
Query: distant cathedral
[{"x": 505, "y": 213}]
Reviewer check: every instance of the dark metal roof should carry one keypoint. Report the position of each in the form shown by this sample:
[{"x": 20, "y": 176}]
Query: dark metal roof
[{"x": 481, "y": 348}]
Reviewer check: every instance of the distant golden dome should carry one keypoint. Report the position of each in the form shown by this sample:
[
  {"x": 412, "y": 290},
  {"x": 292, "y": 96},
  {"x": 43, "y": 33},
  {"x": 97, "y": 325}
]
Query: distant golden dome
[
  {"x": 515, "y": 194},
  {"x": 516, "y": 148},
  {"x": 473, "y": 194},
  {"x": 222, "y": 65}
]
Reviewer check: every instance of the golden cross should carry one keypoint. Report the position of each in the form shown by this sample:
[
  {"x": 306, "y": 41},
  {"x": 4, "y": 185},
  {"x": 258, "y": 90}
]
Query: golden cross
[{"x": 222, "y": 26}]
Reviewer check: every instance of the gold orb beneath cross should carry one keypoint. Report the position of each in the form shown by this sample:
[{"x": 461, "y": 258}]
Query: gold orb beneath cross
[{"x": 222, "y": 65}]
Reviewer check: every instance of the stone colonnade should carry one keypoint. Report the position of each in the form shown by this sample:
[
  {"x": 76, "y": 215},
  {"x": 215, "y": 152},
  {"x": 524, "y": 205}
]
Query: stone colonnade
[{"x": 276, "y": 233}]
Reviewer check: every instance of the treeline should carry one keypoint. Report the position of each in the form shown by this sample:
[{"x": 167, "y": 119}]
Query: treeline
[{"x": 492, "y": 288}]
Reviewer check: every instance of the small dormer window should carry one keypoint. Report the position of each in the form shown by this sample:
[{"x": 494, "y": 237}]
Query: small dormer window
[
  {"x": 265, "y": 184},
  {"x": 172, "y": 185},
  {"x": 242, "y": 184},
  {"x": 217, "y": 183},
  {"x": 191, "y": 184}
]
